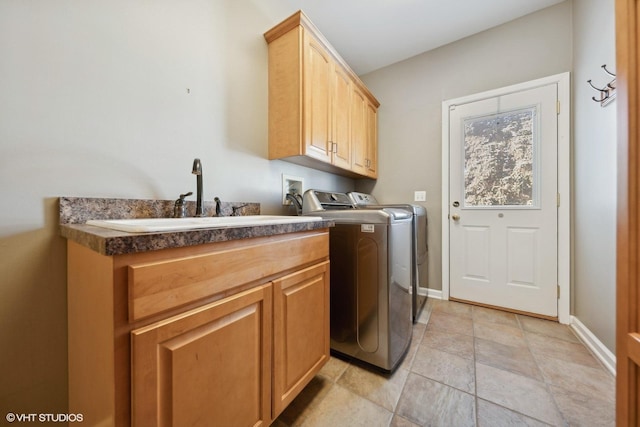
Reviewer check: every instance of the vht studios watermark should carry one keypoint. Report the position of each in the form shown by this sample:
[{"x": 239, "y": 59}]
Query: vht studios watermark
[{"x": 44, "y": 418}]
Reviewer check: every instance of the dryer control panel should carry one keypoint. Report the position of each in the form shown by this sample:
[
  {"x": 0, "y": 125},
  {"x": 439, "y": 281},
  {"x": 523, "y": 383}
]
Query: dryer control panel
[{"x": 362, "y": 199}]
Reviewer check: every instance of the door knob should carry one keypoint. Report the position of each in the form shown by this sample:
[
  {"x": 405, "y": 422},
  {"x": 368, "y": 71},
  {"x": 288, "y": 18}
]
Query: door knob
[{"x": 455, "y": 217}]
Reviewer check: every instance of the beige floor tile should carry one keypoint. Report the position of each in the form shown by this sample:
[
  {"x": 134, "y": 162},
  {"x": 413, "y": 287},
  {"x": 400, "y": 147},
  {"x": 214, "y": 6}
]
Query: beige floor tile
[
  {"x": 407, "y": 361},
  {"x": 423, "y": 318},
  {"x": 334, "y": 368},
  {"x": 516, "y": 392},
  {"x": 592, "y": 382},
  {"x": 584, "y": 411},
  {"x": 381, "y": 389},
  {"x": 446, "y": 322},
  {"x": 343, "y": 408},
  {"x": 458, "y": 344},
  {"x": 452, "y": 307},
  {"x": 429, "y": 403},
  {"x": 525, "y": 372},
  {"x": 446, "y": 368},
  {"x": 490, "y": 315},
  {"x": 548, "y": 347},
  {"x": 399, "y": 421},
  {"x": 492, "y": 415},
  {"x": 503, "y": 334},
  {"x": 303, "y": 404},
  {"x": 514, "y": 359},
  {"x": 547, "y": 327},
  {"x": 416, "y": 339},
  {"x": 418, "y": 332}
]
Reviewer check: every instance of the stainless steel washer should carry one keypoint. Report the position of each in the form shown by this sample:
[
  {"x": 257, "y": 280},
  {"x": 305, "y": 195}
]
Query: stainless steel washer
[
  {"x": 420, "y": 249},
  {"x": 371, "y": 278}
]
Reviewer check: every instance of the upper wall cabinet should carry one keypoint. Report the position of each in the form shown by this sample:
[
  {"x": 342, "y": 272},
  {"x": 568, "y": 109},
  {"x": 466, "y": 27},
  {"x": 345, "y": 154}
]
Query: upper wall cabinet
[
  {"x": 364, "y": 135},
  {"x": 321, "y": 115}
]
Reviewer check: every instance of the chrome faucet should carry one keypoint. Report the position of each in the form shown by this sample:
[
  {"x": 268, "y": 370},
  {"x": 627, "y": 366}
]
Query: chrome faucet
[{"x": 197, "y": 171}]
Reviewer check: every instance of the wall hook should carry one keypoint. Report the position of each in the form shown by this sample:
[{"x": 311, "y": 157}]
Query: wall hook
[
  {"x": 596, "y": 88},
  {"x": 607, "y": 93},
  {"x": 604, "y": 67}
]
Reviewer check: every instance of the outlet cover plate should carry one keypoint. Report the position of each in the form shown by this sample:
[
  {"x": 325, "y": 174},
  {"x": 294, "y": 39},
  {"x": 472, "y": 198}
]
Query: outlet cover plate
[{"x": 419, "y": 196}]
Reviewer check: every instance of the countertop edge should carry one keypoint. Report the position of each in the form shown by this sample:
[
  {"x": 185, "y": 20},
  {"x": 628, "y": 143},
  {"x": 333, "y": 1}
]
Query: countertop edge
[{"x": 109, "y": 242}]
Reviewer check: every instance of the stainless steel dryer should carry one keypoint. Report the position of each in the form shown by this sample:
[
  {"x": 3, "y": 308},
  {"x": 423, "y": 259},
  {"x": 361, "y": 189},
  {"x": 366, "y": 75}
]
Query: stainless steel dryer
[
  {"x": 371, "y": 277},
  {"x": 419, "y": 250}
]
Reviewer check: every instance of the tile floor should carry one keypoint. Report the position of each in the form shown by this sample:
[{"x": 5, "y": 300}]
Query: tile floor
[{"x": 467, "y": 366}]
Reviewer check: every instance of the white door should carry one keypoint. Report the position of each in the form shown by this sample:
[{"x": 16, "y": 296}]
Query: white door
[{"x": 503, "y": 198}]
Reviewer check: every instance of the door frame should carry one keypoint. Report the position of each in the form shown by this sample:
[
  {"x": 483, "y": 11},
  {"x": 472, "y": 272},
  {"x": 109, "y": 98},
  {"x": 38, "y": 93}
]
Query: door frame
[
  {"x": 564, "y": 181},
  {"x": 628, "y": 211}
]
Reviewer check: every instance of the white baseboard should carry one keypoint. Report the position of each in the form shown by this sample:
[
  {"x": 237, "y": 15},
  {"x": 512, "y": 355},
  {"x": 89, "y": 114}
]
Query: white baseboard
[
  {"x": 430, "y": 293},
  {"x": 606, "y": 357},
  {"x": 435, "y": 294}
]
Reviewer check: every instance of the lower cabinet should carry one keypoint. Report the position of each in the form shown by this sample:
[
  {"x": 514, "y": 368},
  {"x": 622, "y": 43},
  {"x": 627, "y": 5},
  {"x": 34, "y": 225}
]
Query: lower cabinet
[
  {"x": 213, "y": 365},
  {"x": 223, "y": 334},
  {"x": 300, "y": 330},
  {"x": 210, "y": 366}
]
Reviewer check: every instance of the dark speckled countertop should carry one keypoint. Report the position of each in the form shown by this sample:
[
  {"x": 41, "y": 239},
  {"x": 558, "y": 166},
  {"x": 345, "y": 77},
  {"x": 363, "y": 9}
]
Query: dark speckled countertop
[{"x": 75, "y": 211}]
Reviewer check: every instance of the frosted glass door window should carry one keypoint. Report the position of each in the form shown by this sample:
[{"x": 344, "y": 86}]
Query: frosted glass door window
[{"x": 499, "y": 159}]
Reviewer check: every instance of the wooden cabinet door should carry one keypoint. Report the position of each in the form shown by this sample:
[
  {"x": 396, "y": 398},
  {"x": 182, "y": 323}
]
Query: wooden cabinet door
[
  {"x": 359, "y": 132},
  {"x": 371, "y": 161},
  {"x": 317, "y": 97},
  {"x": 208, "y": 366},
  {"x": 301, "y": 331},
  {"x": 341, "y": 118}
]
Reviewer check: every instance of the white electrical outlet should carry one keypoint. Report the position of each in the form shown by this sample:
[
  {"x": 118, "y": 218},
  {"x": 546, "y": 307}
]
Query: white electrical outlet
[{"x": 419, "y": 196}]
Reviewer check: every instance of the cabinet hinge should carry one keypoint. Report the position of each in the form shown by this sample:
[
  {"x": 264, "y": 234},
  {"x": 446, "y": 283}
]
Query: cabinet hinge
[
  {"x": 558, "y": 107},
  {"x": 558, "y": 199},
  {"x": 558, "y": 290}
]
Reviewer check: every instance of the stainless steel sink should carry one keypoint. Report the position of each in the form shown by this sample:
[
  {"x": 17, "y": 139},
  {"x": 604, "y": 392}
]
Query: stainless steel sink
[{"x": 147, "y": 225}]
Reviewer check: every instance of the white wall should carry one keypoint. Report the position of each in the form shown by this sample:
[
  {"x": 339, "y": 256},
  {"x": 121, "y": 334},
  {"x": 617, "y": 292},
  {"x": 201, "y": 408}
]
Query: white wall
[
  {"x": 94, "y": 102},
  {"x": 411, "y": 94},
  {"x": 594, "y": 177}
]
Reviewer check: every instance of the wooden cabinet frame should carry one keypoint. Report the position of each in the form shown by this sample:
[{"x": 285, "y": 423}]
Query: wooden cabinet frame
[
  {"x": 628, "y": 218},
  {"x": 312, "y": 92},
  {"x": 103, "y": 329}
]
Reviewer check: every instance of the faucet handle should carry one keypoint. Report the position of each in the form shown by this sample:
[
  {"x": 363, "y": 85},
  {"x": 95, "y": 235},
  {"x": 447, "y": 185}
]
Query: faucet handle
[
  {"x": 179, "y": 209},
  {"x": 237, "y": 209},
  {"x": 218, "y": 206}
]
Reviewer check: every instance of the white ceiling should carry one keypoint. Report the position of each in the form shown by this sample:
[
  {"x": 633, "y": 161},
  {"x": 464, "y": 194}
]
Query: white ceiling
[{"x": 371, "y": 34}]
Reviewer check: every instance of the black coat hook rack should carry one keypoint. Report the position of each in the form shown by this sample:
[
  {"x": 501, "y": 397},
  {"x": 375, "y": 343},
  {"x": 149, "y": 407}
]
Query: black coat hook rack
[{"x": 607, "y": 93}]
